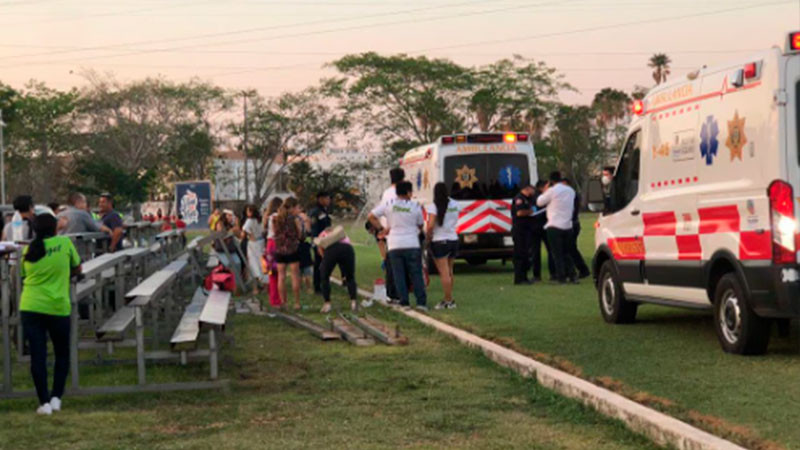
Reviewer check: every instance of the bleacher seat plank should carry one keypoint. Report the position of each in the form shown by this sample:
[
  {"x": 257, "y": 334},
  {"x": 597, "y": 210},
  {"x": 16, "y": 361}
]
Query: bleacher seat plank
[
  {"x": 85, "y": 287},
  {"x": 215, "y": 311},
  {"x": 113, "y": 328},
  {"x": 188, "y": 329},
  {"x": 176, "y": 266}
]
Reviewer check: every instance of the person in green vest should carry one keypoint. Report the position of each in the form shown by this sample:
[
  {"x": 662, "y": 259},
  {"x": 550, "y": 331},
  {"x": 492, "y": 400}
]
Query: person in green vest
[{"x": 47, "y": 264}]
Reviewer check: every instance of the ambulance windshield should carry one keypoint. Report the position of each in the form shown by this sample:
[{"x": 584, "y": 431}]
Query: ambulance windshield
[{"x": 487, "y": 176}]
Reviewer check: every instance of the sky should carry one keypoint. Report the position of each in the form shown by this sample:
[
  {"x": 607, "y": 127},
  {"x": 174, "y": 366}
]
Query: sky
[{"x": 283, "y": 45}]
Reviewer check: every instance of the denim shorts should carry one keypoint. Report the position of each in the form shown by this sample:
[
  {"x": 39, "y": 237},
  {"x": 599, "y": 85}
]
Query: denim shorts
[{"x": 444, "y": 249}]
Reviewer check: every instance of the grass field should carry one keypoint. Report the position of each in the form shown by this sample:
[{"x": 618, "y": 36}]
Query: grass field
[
  {"x": 293, "y": 391},
  {"x": 669, "y": 358}
]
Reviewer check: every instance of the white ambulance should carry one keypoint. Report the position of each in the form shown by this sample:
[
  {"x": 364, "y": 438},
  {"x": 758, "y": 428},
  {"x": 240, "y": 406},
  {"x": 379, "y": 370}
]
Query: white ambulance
[
  {"x": 701, "y": 212},
  {"x": 484, "y": 171}
]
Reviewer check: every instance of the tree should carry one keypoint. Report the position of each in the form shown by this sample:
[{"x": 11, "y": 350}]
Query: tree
[
  {"x": 40, "y": 140},
  {"x": 612, "y": 111},
  {"x": 402, "y": 98},
  {"x": 660, "y": 64},
  {"x": 576, "y": 143},
  {"x": 282, "y": 129},
  {"x": 304, "y": 181},
  {"x": 513, "y": 94},
  {"x": 152, "y": 125}
]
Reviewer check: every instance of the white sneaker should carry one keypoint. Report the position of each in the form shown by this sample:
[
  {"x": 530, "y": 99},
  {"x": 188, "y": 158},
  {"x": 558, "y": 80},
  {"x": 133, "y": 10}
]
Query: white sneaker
[
  {"x": 326, "y": 308},
  {"x": 55, "y": 403},
  {"x": 353, "y": 305},
  {"x": 366, "y": 303},
  {"x": 45, "y": 410}
]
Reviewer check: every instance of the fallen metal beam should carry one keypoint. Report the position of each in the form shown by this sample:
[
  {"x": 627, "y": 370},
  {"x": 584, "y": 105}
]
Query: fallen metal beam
[
  {"x": 351, "y": 333},
  {"x": 314, "y": 328},
  {"x": 380, "y": 330}
]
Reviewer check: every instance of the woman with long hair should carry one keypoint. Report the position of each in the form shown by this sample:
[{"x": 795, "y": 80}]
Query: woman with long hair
[
  {"x": 275, "y": 300},
  {"x": 230, "y": 224},
  {"x": 288, "y": 231},
  {"x": 255, "y": 245},
  {"x": 47, "y": 264},
  {"x": 441, "y": 232}
]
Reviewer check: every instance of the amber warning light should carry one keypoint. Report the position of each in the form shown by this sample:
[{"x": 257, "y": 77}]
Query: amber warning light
[
  {"x": 794, "y": 42},
  {"x": 510, "y": 138},
  {"x": 638, "y": 107}
]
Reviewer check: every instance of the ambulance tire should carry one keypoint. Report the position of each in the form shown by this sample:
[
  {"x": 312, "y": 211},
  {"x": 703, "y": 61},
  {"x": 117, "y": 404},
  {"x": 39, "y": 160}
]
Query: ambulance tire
[
  {"x": 739, "y": 329},
  {"x": 613, "y": 305}
]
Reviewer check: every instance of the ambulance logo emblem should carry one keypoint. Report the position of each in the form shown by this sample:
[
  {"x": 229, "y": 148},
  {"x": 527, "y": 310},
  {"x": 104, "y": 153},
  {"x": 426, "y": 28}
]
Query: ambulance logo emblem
[
  {"x": 708, "y": 140},
  {"x": 465, "y": 176},
  {"x": 509, "y": 177},
  {"x": 736, "y": 137},
  {"x": 662, "y": 150}
]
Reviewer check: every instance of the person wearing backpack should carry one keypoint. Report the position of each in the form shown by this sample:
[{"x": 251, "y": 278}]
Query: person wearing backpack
[{"x": 288, "y": 232}]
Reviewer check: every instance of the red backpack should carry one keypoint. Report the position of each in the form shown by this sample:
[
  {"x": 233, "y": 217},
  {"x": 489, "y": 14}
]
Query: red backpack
[{"x": 221, "y": 277}]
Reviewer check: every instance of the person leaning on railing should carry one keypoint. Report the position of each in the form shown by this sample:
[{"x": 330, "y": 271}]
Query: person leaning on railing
[{"x": 47, "y": 264}]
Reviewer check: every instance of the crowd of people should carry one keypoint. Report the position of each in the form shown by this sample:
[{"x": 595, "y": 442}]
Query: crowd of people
[
  {"x": 546, "y": 214},
  {"x": 402, "y": 227},
  {"x": 283, "y": 241}
]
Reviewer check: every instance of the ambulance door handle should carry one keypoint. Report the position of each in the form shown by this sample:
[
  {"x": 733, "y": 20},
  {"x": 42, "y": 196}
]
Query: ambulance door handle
[{"x": 635, "y": 212}]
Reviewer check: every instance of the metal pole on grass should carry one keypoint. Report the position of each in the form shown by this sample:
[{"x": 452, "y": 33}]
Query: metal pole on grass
[{"x": 2, "y": 161}]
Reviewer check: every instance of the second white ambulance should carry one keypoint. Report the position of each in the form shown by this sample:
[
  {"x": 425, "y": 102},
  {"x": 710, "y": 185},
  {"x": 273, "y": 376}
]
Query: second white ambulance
[
  {"x": 702, "y": 211},
  {"x": 484, "y": 171}
]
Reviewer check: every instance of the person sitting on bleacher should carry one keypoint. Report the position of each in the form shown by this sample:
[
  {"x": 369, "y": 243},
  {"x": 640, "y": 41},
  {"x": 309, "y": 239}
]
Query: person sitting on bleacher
[
  {"x": 19, "y": 229},
  {"x": 48, "y": 263}
]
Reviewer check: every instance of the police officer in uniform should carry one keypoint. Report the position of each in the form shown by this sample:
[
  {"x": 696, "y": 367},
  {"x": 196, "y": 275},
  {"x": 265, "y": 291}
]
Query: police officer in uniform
[{"x": 522, "y": 232}]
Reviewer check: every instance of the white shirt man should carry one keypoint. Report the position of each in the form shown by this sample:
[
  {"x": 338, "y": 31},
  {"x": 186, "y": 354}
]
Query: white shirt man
[
  {"x": 560, "y": 202},
  {"x": 404, "y": 219}
]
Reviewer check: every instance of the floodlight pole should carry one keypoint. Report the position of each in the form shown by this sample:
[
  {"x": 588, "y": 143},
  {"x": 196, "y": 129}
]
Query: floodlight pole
[{"x": 2, "y": 162}]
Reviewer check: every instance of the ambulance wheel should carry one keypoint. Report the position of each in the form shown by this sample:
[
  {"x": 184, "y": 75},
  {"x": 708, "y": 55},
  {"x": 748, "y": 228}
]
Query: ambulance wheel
[
  {"x": 613, "y": 305},
  {"x": 739, "y": 329}
]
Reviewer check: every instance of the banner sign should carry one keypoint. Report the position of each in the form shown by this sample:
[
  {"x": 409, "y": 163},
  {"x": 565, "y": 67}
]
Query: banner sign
[{"x": 193, "y": 202}]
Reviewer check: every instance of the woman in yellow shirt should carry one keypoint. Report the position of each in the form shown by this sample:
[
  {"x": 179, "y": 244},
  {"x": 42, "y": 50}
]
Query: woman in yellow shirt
[{"x": 47, "y": 264}]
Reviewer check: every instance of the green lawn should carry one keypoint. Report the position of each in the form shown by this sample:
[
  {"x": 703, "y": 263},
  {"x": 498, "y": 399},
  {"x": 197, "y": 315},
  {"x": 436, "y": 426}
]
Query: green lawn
[
  {"x": 293, "y": 391},
  {"x": 669, "y": 358}
]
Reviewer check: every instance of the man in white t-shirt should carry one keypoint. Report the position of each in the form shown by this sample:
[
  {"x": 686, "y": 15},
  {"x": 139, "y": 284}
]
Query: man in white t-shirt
[
  {"x": 405, "y": 221},
  {"x": 396, "y": 175},
  {"x": 560, "y": 202}
]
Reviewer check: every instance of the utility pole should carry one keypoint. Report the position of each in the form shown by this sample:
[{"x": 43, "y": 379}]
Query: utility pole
[
  {"x": 2, "y": 161},
  {"x": 244, "y": 146}
]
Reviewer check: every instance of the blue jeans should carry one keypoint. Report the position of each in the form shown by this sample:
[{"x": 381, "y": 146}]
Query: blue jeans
[{"x": 408, "y": 261}]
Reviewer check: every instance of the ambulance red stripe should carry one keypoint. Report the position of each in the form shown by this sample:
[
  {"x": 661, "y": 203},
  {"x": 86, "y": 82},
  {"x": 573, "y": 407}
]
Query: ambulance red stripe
[
  {"x": 659, "y": 223},
  {"x": 755, "y": 245},
  {"x": 719, "y": 219},
  {"x": 689, "y": 248}
]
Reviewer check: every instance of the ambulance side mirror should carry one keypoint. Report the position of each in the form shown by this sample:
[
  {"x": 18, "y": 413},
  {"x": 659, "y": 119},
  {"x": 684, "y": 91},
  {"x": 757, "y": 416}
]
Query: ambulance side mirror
[{"x": 595, "y": 195}]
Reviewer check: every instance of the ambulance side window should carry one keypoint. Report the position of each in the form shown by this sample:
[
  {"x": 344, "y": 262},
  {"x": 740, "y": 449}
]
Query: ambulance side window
[{"x": 626, "y": 179}]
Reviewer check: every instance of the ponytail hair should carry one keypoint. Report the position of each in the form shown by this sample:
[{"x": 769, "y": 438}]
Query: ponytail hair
[
  {"x": 44, "y": 226},
  {"x": 440, "y": 200}
]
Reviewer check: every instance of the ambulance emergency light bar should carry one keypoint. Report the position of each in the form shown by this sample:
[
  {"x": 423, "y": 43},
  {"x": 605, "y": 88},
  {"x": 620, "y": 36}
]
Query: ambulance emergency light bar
[
  {"x": 485, "y": 138},
  {"x": 793, "y": 42}
]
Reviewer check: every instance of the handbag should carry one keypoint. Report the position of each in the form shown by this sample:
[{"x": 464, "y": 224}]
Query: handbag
[{"x": 222, "y": 278}]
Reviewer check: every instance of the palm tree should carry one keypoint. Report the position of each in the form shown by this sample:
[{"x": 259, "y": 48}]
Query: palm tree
[{"x": 660, "y": 64}]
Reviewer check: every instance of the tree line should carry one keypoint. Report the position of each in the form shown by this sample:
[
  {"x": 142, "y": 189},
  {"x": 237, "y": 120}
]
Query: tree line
[{"x": 136, "y": 138}]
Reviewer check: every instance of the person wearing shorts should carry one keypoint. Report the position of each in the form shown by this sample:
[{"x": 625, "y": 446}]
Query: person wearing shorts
[
  {"x": 441, "y": 232},
  {"x": 288, "y": 230}
]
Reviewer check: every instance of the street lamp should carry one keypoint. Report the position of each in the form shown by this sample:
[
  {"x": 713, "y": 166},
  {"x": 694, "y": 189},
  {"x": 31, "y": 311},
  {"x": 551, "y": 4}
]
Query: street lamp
[{"x": 2, "y": 162}]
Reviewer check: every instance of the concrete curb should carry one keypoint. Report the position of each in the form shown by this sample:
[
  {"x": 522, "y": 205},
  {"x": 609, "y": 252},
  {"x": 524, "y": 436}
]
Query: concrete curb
[{"x": 659, "y": 427}]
